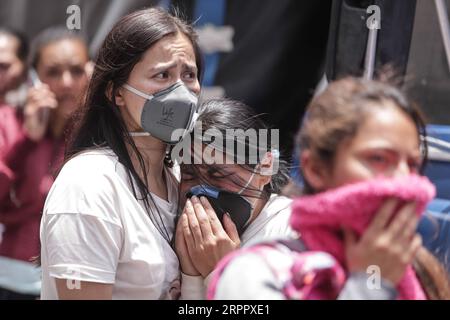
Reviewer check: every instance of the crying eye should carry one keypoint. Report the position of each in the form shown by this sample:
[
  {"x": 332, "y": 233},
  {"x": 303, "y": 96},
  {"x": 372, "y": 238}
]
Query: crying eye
[
  {"x": 190, "y": 75},
  {"x": 162, "y": 75},
  {"x": 377, "y": 159},
  {"x": 217, "y": 174}
]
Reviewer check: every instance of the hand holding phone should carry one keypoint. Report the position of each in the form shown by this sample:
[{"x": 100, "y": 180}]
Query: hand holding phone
[
  {"x": 222, "y": 201},
  {"x": 40, "y": 101},
  {"x": 206, "y": 242}
]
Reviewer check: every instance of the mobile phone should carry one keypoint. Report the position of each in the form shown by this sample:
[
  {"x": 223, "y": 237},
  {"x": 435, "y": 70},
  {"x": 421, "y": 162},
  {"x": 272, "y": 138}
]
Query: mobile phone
[
  {"x": 223, "y": 201},
  {"x": 34, "y": 81}
]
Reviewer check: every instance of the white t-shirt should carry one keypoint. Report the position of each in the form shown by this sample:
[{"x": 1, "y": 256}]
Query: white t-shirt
[
  {"x": 271, "y": 223},
  {"x": 93, "y": 229}
]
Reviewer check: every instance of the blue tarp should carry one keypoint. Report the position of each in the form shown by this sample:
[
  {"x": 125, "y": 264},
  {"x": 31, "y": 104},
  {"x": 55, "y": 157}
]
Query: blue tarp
[{"x": 435, "y": 226}]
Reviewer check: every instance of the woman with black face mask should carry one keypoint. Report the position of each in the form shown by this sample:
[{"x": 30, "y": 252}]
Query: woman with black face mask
[
  {"x": 232, "y": 199},
  {"x": 109, "y": 218}
]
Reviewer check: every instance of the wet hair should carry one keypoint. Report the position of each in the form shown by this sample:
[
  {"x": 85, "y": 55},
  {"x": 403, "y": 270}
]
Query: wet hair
[
  {"x": 49, "y": 36},
  {"x": 23, "y": 47},
  {"x": 221, "y": 115},
  {"x": 99, "y": 122},
  {"x": 336, "y": 115}
]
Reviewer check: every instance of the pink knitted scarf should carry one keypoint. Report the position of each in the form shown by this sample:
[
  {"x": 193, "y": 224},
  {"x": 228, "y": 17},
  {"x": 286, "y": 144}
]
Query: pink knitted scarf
[{"x": 319, "y": 217}]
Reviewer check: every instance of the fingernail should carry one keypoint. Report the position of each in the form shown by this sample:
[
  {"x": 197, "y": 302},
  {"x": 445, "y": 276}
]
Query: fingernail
[
  {"x": 194, "y": 199},
  {"x": 188, "y": 202}
]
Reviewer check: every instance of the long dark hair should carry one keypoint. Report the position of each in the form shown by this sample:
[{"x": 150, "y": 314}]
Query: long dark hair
[
  {"x": 221, "y": 115},
  {"x": 99, "y": 122}
]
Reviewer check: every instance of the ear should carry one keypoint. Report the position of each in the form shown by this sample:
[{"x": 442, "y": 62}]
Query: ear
[
  {"x": 89, "y": 69},
  {"x": 117, "y": 98},
  {"x": 266, "y": 168},
  {"x": 314, "y": 170}
]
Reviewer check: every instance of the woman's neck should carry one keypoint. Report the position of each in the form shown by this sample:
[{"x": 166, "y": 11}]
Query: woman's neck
[{"x": 152, "y": 152}]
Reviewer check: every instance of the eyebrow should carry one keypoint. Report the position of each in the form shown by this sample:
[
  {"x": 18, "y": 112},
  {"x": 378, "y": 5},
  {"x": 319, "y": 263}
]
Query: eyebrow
[
  {"x": 391, "y": 150},
  {"x": 73, "y": 63},
  {"x": 160, "y": 67}
]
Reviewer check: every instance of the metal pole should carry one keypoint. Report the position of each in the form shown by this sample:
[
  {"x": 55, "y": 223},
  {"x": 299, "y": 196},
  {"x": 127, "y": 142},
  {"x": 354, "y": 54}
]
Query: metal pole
[
  {"x": 444, "y": 25},
  {"x": 115, "y": 10},
  {"x": 369, "y": 63}
]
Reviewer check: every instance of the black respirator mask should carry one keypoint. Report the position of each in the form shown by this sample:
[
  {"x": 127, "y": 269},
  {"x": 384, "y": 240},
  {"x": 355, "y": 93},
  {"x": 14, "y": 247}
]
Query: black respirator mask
[{"x": 223, "y": 201}]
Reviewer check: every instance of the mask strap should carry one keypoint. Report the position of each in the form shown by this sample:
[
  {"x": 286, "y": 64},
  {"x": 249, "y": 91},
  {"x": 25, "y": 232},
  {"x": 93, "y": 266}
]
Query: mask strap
[
  {"x": 247, "y": 184},
  {"x": 137, "y": 92},
  {"x": 145, "y": 96},
  {"x": 139, "y": 134},
  {"x": 275, "y": 154}
]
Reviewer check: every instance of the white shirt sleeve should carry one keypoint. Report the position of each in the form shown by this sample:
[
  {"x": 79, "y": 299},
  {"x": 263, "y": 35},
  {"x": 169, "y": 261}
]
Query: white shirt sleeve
[
  {"x": 82, "y": 247},
  {"x": 81, "y": 231},
  {"x": 271, "y": 223}
]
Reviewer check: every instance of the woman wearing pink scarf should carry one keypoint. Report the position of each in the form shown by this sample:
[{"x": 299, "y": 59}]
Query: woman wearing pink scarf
[{"x": 361, "y": 156}]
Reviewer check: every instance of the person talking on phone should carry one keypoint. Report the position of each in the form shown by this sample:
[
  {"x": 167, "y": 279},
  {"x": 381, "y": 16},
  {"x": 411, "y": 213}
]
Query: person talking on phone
[{"x": 58, "y": 77}]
